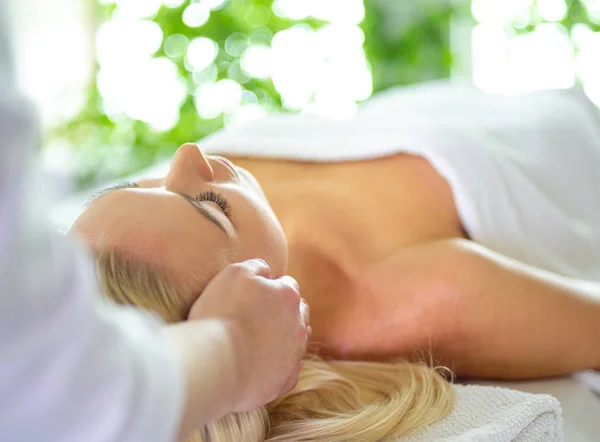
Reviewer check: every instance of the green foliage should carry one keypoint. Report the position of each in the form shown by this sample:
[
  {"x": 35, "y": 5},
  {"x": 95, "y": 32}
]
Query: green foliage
[
  {"x": 104, "y": 148},
  {"x": 410, "y": 45},
  {"x": 405, "y": 42}
]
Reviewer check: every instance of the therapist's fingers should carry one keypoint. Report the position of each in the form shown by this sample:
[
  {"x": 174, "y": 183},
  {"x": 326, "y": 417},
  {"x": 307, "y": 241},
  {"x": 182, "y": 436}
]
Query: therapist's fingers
[
  {"x": 291, "y": 282},
  {"x": 305, "y": 314},
  {"x": 257, "y": 267},
  {"x": 304, "y": 307}
]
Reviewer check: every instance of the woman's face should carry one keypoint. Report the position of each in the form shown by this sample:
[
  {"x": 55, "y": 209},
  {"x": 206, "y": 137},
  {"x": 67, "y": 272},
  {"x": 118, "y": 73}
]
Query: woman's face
[{"x": 204, "y": 215}]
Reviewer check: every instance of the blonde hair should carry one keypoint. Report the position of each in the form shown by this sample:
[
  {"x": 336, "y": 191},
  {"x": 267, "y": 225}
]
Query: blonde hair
[{"x": 333, "y": 400}]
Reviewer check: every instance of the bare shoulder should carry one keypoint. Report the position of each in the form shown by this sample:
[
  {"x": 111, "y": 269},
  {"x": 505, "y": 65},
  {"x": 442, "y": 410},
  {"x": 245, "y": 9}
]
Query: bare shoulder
[
  {"x": 487, "y": 315},
  {"x": 408, "y": 302}
]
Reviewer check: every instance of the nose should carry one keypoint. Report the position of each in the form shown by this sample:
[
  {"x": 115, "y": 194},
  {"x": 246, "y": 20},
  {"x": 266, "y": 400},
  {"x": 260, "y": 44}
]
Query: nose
[{"x": 189, "y": 167}]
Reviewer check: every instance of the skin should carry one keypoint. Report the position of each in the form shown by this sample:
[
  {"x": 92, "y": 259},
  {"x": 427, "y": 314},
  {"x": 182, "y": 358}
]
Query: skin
[
  {"x": 311, "y": 201},
  {"x": 233, "y": 359},
  {"x": 386, "y": 268},
  {"x": 155, "y": 223}
]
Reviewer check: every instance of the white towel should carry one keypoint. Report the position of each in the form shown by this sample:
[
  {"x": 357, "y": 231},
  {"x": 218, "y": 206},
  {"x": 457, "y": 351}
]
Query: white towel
[
  {"x": 523, "y": 169},
  {"x": 494, "y": 414}
]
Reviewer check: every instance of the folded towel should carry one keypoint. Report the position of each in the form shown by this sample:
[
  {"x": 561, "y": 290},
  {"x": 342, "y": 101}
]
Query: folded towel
[{"x": 494, "y": 414}]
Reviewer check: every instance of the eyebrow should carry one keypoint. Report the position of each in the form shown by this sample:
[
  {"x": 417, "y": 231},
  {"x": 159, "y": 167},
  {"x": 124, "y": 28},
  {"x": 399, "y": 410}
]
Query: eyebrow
[{"x": 199, "y": 207}]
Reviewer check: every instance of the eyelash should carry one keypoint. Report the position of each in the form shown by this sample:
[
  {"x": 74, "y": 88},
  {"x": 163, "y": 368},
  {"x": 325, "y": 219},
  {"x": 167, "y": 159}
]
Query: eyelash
[{"x": 217, "y": 198}]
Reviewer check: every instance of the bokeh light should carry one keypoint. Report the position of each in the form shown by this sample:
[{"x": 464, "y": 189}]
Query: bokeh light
[
  {"x": 213, "y": 4},
  {"x": 201, "y": 53},
  {"x": 256, "y": 61},
  {"x": 196, "y": 14},
  {"x": 292, "y": 9},
  {"x": 552, "y": 10},
  {"x": 236, "y": 73},
  {"x": 207, "y": 75},
  {"x": 127, "y": 40},
  {"x": 542, "y": 59},
  {"x": 172, "y": 3},
  {"x": 214, "y": 99},
  {"x": 245, "y": 113},
  {"x": 322, "y": 71},
  {"x": 149, "y": 90},
  {"x": 334, "y": 11},
  {"x": 131, "y": 81},
  {"x": 236, "y": 44},
  {"x": 508, "y": 61},
  {"x": 593, "y": 9},
  {"x": 171, "y": 71},
  {"x": 310, "y": 68},
  {"x": 137, "y": 8},
  {"x": 185, "y": 68},
  {"x": 176, "y": 46},
  {"x": 505, "y": 12}
]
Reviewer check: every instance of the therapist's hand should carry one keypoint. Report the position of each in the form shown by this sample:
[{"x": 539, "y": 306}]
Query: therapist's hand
[{"x": 269, "y": 324}]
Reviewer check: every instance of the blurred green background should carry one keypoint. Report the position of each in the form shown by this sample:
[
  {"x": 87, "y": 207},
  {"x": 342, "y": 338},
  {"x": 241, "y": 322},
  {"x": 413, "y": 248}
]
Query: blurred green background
[
  {"x": 407, "y": 46},
  {"x": 171, "y": 71}
]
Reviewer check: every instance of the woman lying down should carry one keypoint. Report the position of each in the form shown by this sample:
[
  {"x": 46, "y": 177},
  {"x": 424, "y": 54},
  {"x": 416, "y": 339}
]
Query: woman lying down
[{"x": 439, "y": 220}]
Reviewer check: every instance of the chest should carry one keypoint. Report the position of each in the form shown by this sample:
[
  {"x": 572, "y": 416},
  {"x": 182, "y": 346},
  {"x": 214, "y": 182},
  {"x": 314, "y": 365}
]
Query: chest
[{"x": 355, "y": 213}]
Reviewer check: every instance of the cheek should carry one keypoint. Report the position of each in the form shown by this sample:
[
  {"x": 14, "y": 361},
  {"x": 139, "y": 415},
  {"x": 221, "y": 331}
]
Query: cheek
[
  {"x": 262, "y": 237},
  {"x": 277, "y": 249}
]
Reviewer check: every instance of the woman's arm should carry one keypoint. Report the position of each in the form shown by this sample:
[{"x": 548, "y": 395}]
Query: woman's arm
[
  {"x": 480, "y": 313},
  {"x": 517, "y": 321}
]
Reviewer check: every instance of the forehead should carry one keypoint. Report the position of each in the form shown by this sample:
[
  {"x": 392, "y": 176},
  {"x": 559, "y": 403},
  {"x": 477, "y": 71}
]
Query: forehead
[{"x": 161, "y": 229}]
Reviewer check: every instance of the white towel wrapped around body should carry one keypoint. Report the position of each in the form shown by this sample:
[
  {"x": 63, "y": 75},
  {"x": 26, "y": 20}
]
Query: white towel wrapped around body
[
  {"x": 523, "y": 169},
  {"x": 494, "y": 414}
]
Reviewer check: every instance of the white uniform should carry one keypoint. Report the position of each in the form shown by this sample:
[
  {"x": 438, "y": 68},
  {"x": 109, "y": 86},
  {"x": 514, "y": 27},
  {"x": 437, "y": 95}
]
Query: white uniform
[
  {"x": 71, "y": 368},
  {"x": 524, "y": 170}
]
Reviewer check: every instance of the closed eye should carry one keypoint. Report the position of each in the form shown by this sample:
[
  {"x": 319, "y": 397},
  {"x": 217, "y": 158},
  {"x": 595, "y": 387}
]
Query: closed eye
[
  {"x": 194, "y": 201},
  {"x": 217, "y": 198}
]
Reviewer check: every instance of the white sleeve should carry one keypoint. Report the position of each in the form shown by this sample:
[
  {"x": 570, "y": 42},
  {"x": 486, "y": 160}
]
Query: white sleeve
[{"x": 71, "y": 368}]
